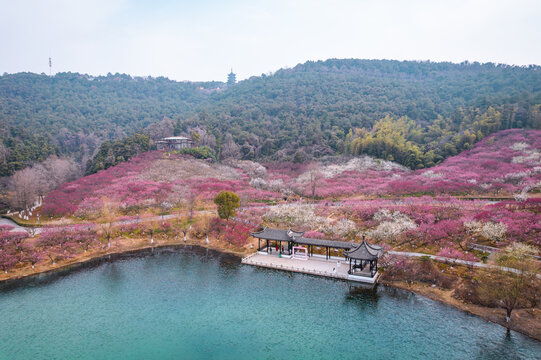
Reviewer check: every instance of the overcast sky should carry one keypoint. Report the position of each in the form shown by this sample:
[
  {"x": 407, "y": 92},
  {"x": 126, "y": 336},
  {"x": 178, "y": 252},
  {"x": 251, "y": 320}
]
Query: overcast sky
[{"x": 204, "y": 39}]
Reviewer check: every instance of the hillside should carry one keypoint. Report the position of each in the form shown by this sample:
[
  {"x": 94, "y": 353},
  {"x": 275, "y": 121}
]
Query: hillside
[
  {"x": 438, "y": 109},
  {"x": 504, "y": 164}
]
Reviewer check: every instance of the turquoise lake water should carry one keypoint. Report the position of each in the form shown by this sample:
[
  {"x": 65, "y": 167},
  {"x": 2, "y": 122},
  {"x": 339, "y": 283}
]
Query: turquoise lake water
[{"x": 196, "y": 304}]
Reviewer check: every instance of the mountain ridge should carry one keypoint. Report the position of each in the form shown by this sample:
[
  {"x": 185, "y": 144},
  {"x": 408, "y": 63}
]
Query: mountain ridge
[{"x": 304, "y": 111}]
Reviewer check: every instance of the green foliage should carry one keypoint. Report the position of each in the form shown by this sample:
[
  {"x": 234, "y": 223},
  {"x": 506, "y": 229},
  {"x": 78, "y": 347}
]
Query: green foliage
[
  {"x": 404, "y": 141},
  {"x": 227, "y": 202},
  {"x": 196, "y": 137},
  {"x": 200, "y": 152},
  {"x": 313, "y": 105},
  {"x": 416, "y": 113},
  {"x": 111, "y": 153},
  {"x": 20, "y": 148}
]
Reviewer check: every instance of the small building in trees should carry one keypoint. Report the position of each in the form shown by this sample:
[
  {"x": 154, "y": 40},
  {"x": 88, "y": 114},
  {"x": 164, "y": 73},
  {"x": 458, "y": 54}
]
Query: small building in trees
[{"x": 174, "y": 143}]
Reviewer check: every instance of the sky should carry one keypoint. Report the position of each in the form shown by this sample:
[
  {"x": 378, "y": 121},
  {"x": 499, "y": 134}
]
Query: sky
[{"x": 203, "y": 40}]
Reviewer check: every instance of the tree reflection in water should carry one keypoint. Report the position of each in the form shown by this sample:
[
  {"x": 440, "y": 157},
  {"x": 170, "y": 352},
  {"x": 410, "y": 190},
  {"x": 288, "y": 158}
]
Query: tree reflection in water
[{"x": 506, "y": 348}]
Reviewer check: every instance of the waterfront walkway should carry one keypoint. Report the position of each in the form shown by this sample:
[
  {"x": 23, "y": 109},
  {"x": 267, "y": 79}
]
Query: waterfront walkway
[{"x": 332, "y": 268}]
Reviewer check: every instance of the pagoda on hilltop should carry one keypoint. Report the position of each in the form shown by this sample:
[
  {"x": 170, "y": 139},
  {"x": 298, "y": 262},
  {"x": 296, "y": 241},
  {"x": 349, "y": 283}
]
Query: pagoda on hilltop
[{"x": 231, "y": 78}]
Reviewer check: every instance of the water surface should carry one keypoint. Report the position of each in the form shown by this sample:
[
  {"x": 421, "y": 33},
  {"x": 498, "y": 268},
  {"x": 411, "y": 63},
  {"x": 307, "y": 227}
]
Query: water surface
[{"x": 199, "y": 304}]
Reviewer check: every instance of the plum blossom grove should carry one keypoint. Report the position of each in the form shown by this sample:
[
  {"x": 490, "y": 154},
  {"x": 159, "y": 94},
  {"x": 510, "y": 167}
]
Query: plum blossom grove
[
  {"x": 304, "y": 217},
  {"x": 424, "y": 210},
  {"x": 423, "y": 222},
  {"x": 506, "y": 163},
  {"x": 127, "y": 184},
  {"x": 13, "y": 250}
]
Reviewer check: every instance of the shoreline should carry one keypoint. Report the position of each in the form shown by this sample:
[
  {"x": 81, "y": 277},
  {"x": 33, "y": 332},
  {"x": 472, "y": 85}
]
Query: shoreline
[
  {"x": 100, "y": 256},
  {"x": 493, "y": 315}
]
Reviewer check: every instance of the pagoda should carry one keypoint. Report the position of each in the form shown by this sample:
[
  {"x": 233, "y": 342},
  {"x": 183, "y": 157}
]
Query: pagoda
[{"x": 231, "y": 78}]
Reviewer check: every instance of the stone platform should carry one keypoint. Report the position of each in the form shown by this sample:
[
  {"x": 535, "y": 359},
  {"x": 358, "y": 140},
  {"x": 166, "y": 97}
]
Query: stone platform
[{"x": 332, "y": 268}]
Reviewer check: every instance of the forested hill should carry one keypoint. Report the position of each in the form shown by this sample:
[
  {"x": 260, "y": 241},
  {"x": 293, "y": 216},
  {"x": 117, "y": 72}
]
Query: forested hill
[
  {"x": 365, "y": 90},
  {"x": 313, "y": 109},
  {"x": 105, "y": 103},
  {"x": 76, "y": 112}
]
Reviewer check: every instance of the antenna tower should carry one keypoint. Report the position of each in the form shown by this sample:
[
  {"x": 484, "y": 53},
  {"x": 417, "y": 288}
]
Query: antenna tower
[{"x": 50, "y": 66}]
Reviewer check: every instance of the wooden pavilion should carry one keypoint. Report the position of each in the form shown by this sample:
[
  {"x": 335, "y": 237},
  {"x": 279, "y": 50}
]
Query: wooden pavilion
[
  {"x": 277, "y": 239},
  {"x": 283, "y": 241},
  {"x": 361, "y": 256}
]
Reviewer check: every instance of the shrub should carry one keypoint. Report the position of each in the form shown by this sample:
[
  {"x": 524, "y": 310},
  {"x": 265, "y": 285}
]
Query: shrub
[
  {"x": 227, "y": 203},
  {"x": 422, "y": 270},
  {"x": 199, "y": 152}
]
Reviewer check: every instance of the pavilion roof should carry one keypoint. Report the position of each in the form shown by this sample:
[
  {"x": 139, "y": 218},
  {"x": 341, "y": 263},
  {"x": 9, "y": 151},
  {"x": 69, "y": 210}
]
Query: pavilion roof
[
  {"x": 277, "y": 234},
  {"x": 297, "y": 237},
  {"x": 365, "y": 251},
  {"x": 362, "y": 251},
  {"x": 175, "y": 138},
  {"x": 325, "y": 243}
]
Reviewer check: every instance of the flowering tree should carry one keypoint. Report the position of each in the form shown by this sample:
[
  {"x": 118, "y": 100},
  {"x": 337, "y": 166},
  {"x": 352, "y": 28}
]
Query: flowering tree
[
  {"x": 54, "y": 257},
  {"x": 34, "y": 257},
  {"x": 7, "y": 261},
  {"x": 391, "y": 225},
  {"x": 5, "y": 228},
  {"x": 234, "y": 232},
  {"x": 313, "y": 234},
  {"x": 14, "y": 239},
  {"x": 451, "y": 253}
]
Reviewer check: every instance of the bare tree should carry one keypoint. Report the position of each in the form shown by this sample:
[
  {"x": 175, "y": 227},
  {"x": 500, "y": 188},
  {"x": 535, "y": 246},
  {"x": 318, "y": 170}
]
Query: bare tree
[
  {"x": 161, "y": 129},
  {"x": 508, "y": 289},
  {"x": 107, "y": 220},
  {"x": 205, "y": 138},
  {"x": 4, "y": 155},
  {"x": 184, "y": 227},
  {"x": 204, "y": 224},
  {"x": 43, "y": 181},
  {"x": 191, "y": 204},
  {"x": 149, "y": 224},
  {"x": 45, "y": 177},
  {"x": 230, "y": 150},
  {"x": 315, "y": 178},
  {"x": 60, "y": 170},
  {"x": 186, "y": 201},
  {"x": 23, "y": 189}
]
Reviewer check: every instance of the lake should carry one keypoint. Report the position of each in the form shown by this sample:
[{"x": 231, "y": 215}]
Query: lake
[{"x": 193, "y": 303}]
